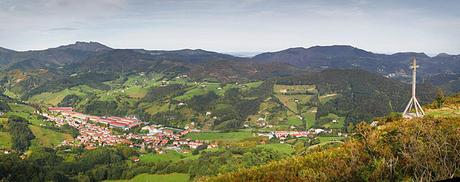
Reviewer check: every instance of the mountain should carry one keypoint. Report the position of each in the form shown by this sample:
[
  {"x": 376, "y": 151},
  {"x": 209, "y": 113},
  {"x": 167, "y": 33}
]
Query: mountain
[
  {"x": 3, "y": 50},
  {"x": 25, "y": 70},
  {"x": 94, "y": 55},
  {"x": 317, "y": 57},
  {"x": 85, "y": 46},
  {"x": 50, "y": 58},
  {"x": 342, "y": 56}
]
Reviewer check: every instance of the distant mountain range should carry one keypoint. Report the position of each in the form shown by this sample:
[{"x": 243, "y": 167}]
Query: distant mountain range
[
  {"x": 340, "y": 56},
  {"x": 83, "y": 57},
  {"x": 314, "y": 58}
]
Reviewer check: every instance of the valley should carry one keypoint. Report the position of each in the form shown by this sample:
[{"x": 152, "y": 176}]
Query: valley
[{"x": 187, "y": 115}]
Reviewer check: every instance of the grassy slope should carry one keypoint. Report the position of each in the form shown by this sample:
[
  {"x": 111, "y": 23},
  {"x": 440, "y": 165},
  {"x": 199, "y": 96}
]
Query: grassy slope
[
  {"x": 5, "y": 140},
  {"x": 289, "y": 102},
  {"x": 337, "y": 125},
  {"x": 173, "y": 177},
  {"x": 219, "y": 136},
  {"x": 168, "y": 156},
  {"x": 46, "y": 137},
  {"x": 43, "y": 136}
]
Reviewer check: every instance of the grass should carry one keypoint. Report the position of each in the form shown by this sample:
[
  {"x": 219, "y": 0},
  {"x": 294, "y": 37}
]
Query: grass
[
  {"x": 299, "y": 93},
  {"x": 200, "y": 90},
  {"x": 294, "y": 88},
  {"x": 168, "y": 156},
  {"x": 309, "y": 116},
  {"x": 219, "y": 136},
  {"x": 54, "y": 98},
  {"x": 156, "y": 108},
  {"x": 21, "y": 108},
  {"x": 5, "y": 140},
  {"x": 3, "y": 121},
  {"x": 294, "y": 120},
  {"x": 20, "y": 114},
  {"x": 280, "y": 147},
  {"x": 197, "y": 90},
  {"x": 173, "y": 177},
  {"x": 46, "y": 137},
  {"x": 325, "y": 98},
  {"x": 136, "y": 92},
  {"x": 326, "y": 139},
  {"x": 10, "y": 94},
  {"x": 253, "y": 84},
  {"x": 337, "y": 125},
  {"x": 444, "y": 112}
]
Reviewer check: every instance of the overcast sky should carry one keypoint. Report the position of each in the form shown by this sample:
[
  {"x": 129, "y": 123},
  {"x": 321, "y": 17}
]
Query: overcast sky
[{"x": 233, "y": 25}]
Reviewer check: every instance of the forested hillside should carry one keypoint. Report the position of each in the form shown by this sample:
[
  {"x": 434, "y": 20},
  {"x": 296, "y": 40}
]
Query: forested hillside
[{"x": 343, "y": 56}]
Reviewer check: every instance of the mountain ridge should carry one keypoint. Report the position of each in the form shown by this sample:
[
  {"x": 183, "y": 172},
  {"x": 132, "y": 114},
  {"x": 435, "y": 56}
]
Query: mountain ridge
[
  {"x": 85, "y": 46},
  {"x": 95, "y": 57}
]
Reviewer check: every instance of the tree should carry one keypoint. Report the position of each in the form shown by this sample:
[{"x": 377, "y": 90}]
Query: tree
[
  {"x": 20, "y": 133},
  {"x": 440, "y": 98},
  {"x": 199, "y": 148}
]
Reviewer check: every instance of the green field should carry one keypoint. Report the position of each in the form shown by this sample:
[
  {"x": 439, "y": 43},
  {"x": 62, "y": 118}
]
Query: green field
[
  {"x": 326, "y": 139},
  {"x": 294, "y": 120},
  {"x": 56, "y": 97},
  {"x": 156, "y": 108},
  {"x": 136, "y": 92},
  {"x": 21, "y": 108},
  {"x": 309, "y": 117},
  {"x": 198, "y": 90},
  {"x": 46, "y": 137},
  {"x": 289, "y": 94},
  {"x": 337, "y": 125},
  {"x": 280, "y": 147},
  {"x": 219, "y": 136},
  {"x": 294, "y": 89},
  {"x": 173, "y": 177},
  {"x": 205, "y": 87},
  {"x": 5, "y": 140},
  {"x": 168, "y": 156},
  {"x": 445, "y": 112}
]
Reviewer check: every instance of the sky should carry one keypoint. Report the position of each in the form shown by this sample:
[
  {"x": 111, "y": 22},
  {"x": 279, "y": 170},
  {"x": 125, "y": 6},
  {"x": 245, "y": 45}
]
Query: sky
[{"x": 234, "y": 25}]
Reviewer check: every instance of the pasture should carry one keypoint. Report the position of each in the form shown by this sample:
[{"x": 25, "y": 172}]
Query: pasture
[
  {"x": 219, "y": 136},
  {"x": 173, "y": 177}
]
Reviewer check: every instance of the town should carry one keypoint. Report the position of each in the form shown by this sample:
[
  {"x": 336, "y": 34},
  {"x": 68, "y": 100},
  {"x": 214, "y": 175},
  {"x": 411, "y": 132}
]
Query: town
[{"x": 96, "y": 131}]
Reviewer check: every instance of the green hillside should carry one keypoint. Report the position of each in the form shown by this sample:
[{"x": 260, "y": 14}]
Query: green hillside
[
  {"x": 174, "y": 177},
  {"x": 398, "y": 149}
]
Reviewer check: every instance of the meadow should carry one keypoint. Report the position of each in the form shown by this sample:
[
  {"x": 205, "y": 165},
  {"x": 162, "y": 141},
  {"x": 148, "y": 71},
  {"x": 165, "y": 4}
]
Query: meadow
[
  {"x": 169, "y": 155},
  {"x": 173, "y": 177},
  {"x": 5, "y": 140},
  {"x": 47, "y": 137},
  {"x": 219, "y": 136}
]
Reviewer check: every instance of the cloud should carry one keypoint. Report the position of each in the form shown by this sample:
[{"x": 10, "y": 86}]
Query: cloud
[{"x": 233, "y": 25}]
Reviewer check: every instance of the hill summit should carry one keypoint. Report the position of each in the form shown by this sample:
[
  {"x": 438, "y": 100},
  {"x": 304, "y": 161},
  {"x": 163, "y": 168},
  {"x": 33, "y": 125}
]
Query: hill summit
[{"x": 85, "y": 46}]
